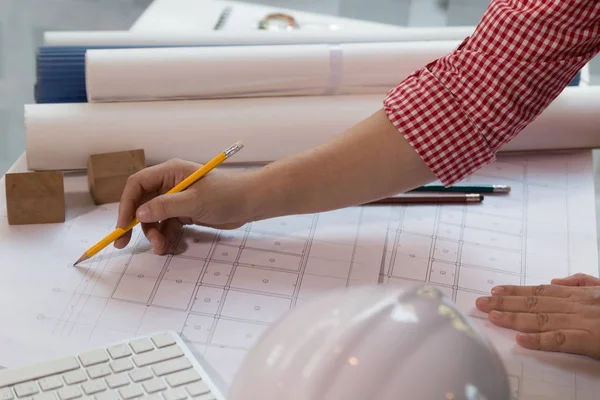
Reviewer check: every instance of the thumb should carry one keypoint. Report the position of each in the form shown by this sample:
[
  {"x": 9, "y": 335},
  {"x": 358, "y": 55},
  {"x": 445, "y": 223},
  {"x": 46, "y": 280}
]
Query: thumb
[
  {"x": 167, "y": 206},
  {"x": 577, "y": 280}
]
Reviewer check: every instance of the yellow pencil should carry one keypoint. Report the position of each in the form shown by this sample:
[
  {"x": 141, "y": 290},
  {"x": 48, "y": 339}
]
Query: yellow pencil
[{"x": 187, "y": 182}]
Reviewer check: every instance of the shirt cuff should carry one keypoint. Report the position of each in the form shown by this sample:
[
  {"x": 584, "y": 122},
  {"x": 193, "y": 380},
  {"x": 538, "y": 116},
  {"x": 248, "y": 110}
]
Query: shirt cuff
[{"x": 437, "y": 127}]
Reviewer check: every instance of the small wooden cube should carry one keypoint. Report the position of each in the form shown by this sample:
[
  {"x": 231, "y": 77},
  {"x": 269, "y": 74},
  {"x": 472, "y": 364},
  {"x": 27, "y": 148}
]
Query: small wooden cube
[
  {"x": 108, "y": 172},
  {"x": 35, "y": 198}
]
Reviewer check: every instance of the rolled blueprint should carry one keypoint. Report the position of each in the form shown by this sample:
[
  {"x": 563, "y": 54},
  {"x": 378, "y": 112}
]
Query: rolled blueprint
[
  {"x": 572, "y": 121},
  {"x": 61, "y": 136},
  {"x": 169, "y": 38},
  {"x": 254, "y": 71}
]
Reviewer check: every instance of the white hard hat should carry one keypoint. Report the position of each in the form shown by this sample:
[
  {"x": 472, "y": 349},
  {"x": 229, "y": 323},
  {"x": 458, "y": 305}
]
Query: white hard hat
[{"x": 373, "y": 342}]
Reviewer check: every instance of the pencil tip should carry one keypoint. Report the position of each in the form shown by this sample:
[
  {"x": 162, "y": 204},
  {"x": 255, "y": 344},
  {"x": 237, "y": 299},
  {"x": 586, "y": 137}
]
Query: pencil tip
[{"x": 81, "y": 259}]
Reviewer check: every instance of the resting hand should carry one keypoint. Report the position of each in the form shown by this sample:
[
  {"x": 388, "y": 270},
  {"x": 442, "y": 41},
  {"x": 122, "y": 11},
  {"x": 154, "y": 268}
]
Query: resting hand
[
  {"x": 217, "y": 200},
  {"x": 561, "y": 317}
]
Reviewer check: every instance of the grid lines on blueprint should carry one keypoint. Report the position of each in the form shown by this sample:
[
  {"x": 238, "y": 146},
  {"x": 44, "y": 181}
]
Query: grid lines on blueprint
[
  {"x": 534, "y": 234},
  {"x": 222, "y": 289},
  {"x": 466, "y": 250}
]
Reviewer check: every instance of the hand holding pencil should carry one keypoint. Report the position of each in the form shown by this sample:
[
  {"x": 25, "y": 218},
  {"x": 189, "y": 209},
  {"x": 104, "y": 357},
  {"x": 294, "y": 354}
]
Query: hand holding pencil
[
  {"x": 164, "y": 198},
  {"x": 169, "y": 195}
]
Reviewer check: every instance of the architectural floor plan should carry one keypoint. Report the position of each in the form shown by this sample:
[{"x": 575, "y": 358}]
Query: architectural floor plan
[
  {"x": 223, "y": 289},
  {"x": 529, "y": 237}
]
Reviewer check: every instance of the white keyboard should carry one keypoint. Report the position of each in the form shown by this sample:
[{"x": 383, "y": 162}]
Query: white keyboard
[{"x": 159, "y": 366}]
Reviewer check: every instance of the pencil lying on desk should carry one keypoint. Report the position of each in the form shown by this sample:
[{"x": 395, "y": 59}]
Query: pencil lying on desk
[
  {"x": 187, "y": 182},
  {"x": 464, "y": 189},
  {"x": 431, "y": 199}
]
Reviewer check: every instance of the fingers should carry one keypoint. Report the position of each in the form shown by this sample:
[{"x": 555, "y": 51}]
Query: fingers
[
  {"x": 527, "y": 304},
  {"x": 577, "y": 280},
  {"x": 539, "y": 291},
  {"x": 122, "y": 242},
  {"x": 167, "y": 206},
  {"x": 563, "y": 340},
  {"x": 535, "y": 322},
  {"x": 143, "y": 185},
  {"x": 155, "y": 237},
  {"x": 170, "y": 230},
  {"x": 162, "y": 236},
  {"x": 127, "y": 208},
  {"x": 134, "y": 193}
]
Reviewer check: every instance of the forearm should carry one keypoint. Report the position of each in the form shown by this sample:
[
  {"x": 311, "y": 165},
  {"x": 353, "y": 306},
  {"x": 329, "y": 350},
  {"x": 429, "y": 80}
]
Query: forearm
[
  {"x": 446, "y": 120},
  {"x": 468, "y": 104},
  {"x": 369, "y": 161}
]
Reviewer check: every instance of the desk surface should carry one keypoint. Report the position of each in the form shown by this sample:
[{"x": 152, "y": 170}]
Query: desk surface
[{"x": 160, "y": 11}]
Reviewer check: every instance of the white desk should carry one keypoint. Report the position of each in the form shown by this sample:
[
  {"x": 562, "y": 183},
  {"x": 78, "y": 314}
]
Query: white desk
[{"x": 163, "y": 14}]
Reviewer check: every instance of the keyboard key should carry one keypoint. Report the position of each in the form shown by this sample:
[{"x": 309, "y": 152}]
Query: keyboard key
[
  {"x": 197, "y": 388},
  {"x": 107, "y": 396},
  {"x": 131, "y": 391},
  {"x": 181, "y": 378},
  {"x": 153, "y": 386},
  {"x": 26, "y": 389},
  {"x": 119, "y": 351},
  {"x": 176, "y": 394},
  {"x": 121, "y": 365},
  {"x": 37, "y": 371},
  {"x": 141, "y": 345},
  {"x": 93, "y": 387},
  {"x": 115, "y": 381},
  {"x": 69, "y": 392},
  {"x": 163, "y": 340},
  {"x": 153, "y": 397},
  {"x": 93, "y": 357},
  {"x": 157, "y": 356},
  {"x": 98, "y": 371},
  {"x": 142, "y": 374},
  {"x": 6, "y": 394},
  {"x": 49, "y": 383},
  {"x": 45, "y": 396},
  {"x": 74, "y": 377},
  {"x": 168, "y": 367}
]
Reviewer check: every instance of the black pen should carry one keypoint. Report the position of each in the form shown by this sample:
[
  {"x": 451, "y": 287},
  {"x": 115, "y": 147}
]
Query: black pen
[{"x": 464, "y": 189}]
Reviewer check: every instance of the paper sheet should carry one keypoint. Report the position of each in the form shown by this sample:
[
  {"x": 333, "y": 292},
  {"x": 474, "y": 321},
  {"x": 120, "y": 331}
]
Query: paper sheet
[
  {"x": 545, "y": 229},
  {"x": 270, "y": 128},
  {"x": 223, "y": 289},
  {"x": 243, "y": 71},
  {"x": 171, "y": 37}
]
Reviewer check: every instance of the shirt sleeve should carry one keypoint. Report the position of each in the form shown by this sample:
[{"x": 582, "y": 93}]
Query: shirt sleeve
[{"x": 459, "y": 110}]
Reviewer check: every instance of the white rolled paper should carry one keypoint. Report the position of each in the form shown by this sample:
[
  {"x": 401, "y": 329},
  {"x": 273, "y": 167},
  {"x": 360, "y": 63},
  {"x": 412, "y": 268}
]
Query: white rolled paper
[
  {"x": 208, "y": 38},
  {"x": 61, "y": 136},
  {"x": 572, "y": 121},
  {"x": 254, "y": 71}
]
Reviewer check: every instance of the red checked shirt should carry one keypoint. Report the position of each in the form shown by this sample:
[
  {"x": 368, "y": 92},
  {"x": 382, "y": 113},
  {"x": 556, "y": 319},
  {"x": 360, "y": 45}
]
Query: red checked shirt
[{"x": 459, "y": 110}]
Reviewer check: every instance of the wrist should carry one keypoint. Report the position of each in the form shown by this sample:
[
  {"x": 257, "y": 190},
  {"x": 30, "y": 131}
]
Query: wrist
[{"x": 264, "y": 195}]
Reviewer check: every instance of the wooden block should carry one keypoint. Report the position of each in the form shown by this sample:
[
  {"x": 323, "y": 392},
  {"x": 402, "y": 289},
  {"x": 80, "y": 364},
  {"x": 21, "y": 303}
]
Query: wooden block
[
  {"x": 35, "y": 198},
  {"x": 108, "y": 173}
]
